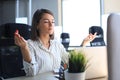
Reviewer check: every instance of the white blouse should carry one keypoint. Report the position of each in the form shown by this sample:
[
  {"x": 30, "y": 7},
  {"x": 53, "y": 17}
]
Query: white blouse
[{"x": 43, "y": 59}]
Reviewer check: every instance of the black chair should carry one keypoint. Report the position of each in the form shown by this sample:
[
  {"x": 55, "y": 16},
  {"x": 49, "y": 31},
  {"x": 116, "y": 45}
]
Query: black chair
[
  {"x": 11, "y": 61},
  {"x": 99, "y": 40},
  {"x": 65, "y": 40}
]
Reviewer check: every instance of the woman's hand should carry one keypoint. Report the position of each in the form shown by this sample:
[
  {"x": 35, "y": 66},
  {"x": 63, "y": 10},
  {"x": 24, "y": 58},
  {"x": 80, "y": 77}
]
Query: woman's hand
[
  {"x": 22, "y": 43},
  {"x": 89, "y": 38},
  {"x": 19, "y": 40}
]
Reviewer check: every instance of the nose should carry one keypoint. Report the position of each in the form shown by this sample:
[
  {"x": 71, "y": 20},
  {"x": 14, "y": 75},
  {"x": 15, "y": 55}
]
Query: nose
[{"x": 51, "y": 23}]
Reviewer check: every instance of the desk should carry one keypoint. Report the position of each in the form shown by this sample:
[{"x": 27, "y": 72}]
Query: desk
[
  {"x": 43, "y": 76},
  {"x": 102, "y": 78},
  {"x": 98, "y": 67}
]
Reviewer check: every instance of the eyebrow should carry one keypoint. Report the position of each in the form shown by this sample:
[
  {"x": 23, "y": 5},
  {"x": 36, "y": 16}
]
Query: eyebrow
[{"x": 48, "y": 19}]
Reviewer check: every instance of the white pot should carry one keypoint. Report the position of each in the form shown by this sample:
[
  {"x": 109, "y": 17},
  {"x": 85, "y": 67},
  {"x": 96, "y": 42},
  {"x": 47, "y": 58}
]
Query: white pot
[{"x": 74, "y": 76}]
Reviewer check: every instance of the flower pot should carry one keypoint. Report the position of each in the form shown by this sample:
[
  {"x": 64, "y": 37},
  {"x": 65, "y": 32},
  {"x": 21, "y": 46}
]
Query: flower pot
[{"x": 74, "y": 76}]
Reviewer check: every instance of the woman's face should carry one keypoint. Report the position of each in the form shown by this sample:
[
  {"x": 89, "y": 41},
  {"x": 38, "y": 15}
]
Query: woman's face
[{"x": 46, "y": 24}]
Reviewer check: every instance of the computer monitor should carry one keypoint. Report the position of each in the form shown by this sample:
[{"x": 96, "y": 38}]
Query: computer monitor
[{"x": 113, "y": 46}]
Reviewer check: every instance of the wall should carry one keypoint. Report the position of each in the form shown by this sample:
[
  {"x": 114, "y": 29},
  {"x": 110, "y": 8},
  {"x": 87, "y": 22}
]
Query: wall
[
  {"x": 111, "y": 6},
  {"x": 23, "y": 8},
  {"x": 48, "y": 4},
  {"x": 8, "y": 9}
]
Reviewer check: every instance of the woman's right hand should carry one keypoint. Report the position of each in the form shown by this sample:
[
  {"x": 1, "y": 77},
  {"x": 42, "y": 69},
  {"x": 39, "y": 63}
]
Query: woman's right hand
[
  {"x": 19, "y": 40},
  {"x": 22, "y": 43}
]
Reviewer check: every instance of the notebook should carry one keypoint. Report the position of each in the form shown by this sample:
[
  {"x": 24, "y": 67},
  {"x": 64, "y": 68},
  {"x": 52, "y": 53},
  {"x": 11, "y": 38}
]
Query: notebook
[{"x": 97, "y": 61}]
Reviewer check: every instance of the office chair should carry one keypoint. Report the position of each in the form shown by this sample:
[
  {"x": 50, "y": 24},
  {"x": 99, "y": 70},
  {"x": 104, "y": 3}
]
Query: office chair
[
  {"x": 11, "y": 61},
  {"x": 99, "y": 40},
  {"x": 65, "y": 40},
  {"x": 113, "y": 46}
]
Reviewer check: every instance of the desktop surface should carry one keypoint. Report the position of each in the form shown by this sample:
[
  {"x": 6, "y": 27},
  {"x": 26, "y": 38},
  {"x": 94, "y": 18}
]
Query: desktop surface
[
  {"x": 42, "y": 76},
  {"x": 96, "y": 71}
]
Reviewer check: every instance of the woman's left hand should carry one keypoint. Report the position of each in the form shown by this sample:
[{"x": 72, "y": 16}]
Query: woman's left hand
[{"x": 89, "y": 38}]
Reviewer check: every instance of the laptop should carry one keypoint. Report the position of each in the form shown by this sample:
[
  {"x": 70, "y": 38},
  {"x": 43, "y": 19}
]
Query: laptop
[{"x": 97, "y": 61}]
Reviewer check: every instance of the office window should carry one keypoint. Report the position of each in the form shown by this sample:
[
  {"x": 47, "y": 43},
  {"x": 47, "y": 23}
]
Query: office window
[{"x": 78, "y": 16}]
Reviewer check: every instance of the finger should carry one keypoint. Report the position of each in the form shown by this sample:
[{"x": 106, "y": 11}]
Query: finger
[
  {"x": 90, "y": 36},
  {"x": 17, "y": 34},
  {"x": 17, "y": 31},
  {"x": 95, "y": 33},
  {"x": 17, "y": 38},
  {"x": 22, "y": 39}
]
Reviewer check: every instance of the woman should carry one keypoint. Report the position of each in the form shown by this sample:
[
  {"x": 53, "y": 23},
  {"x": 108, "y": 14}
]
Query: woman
[{"x": 42, "y": 53}]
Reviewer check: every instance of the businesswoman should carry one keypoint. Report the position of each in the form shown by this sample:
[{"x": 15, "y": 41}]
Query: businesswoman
[{"x": 42, "y": 53}]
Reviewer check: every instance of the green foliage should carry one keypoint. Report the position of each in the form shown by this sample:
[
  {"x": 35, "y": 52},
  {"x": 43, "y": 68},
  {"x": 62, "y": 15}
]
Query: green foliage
[{"x": 77, "y": 61}]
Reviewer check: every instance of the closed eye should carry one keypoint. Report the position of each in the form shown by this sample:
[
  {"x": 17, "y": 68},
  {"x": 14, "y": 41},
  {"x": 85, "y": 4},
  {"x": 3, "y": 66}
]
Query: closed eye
[{"x": 47, "y": 21}]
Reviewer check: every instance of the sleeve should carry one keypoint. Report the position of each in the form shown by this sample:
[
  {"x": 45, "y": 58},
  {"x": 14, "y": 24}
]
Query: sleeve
[
  {"x": 64, "y": 54},
  {"x": 31, "y": 68}
]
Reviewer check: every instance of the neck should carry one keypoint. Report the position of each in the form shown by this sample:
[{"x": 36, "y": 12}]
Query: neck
[{"x": 45, "y": 40}]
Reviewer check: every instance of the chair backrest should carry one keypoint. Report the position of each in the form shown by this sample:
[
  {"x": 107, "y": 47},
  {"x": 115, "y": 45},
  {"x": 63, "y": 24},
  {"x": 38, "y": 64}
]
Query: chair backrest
[
  {"x": 113, "y": 46},
  {"x": 11, "y": 62},
  {"x": 8, "y": 30},
  {"x": 65, "y": 40},
  {"x": 99, "y": 40}
]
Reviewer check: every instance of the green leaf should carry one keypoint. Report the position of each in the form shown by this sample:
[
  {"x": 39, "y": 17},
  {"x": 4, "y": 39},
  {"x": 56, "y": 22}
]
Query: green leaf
[{"x": 77, "y": 61}]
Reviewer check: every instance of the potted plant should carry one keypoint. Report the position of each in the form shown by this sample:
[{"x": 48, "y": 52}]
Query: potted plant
[{"x": 77, "y": 65}]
